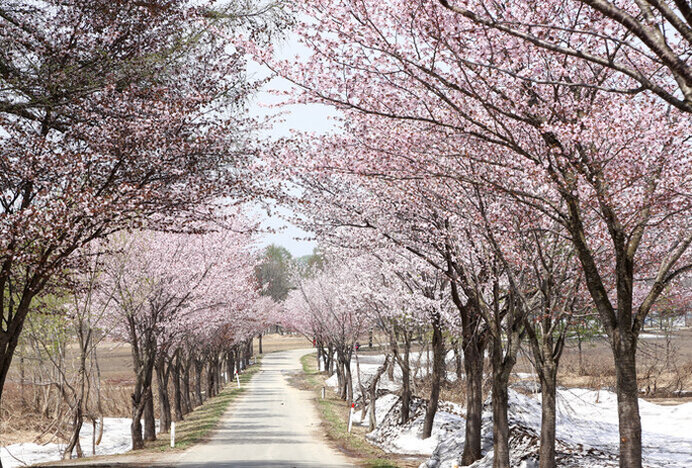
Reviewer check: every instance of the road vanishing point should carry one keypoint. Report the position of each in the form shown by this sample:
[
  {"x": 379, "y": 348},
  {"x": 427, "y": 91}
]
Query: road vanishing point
[{"x": 271, "y": 425}]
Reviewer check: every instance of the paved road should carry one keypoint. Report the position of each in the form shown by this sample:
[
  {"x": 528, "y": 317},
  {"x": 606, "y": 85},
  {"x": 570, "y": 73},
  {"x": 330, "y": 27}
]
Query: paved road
[{"x": 271, "y": 425}]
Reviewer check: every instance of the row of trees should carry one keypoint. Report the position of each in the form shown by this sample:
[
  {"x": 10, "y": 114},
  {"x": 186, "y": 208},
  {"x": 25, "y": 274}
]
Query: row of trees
[
  {"x": 185, "y": 303},
  {"x": 116, "y": 116},
  {"x": 392, "y": 296},
  {"x": 188, "y": 306},
  {"x": 536, "y": 155}
]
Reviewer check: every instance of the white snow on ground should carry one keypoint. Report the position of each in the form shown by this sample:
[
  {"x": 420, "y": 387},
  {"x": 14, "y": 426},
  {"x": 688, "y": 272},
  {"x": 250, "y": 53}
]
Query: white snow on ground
[
  {"x": 587, "y": 427},
  {"x": 116, "y": 439},
  {"x": 587, "y": 432},
  {"x": 406, "y": 438},
  {"x": 382, "y": 406}
]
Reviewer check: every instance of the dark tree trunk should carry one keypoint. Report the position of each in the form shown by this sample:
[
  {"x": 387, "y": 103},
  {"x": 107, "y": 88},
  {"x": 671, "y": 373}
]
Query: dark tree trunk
[
  {"x": 210, "y": 379},
  {"x": 164, "y": 403},
  {"x": 319, "y": 357},
  {"x": 77, "y": 421},
  {"x": 546, "y": 453},
  {"x": 230, "y": 364},
  {"x": 473, "y": 342},
  {"x": 144, "y": 366},
  {"x": 546, "y": 352},
  {"x": 239, "y": 359},
  {"x": 628, "y": 407},
  {"x": 199, "y": 367},
  {"x": 217, "y": 372},
  {"x": 259, "y": 338},
  {"x": 176, "y": 367},
  {"x": 341, "y": 378},
  {"x": 372, "y": 393},
  {"x": 405, "y": 364},
  {"x": 148, "y": 416},
  {"x": 187, "y": 404},
  {"x": 330, "y": 358},
  {"x": 349, "y": 380},
  {"x": 248, "y": 351},
  {"x": 13, "y": 327},
  {"x": 500, "y": 404},
  {"x": 473, "y": 366},
  {"x": 136, "y": 427},
  {"x": 438, "y": 372}
]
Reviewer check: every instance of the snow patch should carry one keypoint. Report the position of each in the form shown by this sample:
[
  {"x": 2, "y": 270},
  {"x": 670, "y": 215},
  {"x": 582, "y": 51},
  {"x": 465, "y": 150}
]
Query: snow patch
[
  {"x": 116, "y": 439},
  {"x": 587, "y": 432}
]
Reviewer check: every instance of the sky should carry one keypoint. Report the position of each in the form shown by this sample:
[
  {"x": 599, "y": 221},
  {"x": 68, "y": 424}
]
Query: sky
[{"x": 308, "y": 117}]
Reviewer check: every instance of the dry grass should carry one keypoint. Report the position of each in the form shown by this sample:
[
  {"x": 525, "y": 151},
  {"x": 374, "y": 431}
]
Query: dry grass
[{"x": 275, "y": 342}]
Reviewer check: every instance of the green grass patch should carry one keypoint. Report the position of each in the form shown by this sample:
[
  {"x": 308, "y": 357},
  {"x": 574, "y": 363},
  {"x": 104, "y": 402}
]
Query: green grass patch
[
  {"x": 334, "y": 414},
  {"x": 203, "y": 419}
]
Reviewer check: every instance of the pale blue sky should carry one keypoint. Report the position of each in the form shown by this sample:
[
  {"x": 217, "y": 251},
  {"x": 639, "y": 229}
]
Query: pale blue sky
[{"x": 310, "y": 117}]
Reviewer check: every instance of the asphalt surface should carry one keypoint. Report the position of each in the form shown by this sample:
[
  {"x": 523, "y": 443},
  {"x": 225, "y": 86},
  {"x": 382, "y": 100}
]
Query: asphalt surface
[{"x": 271, "y": 425}]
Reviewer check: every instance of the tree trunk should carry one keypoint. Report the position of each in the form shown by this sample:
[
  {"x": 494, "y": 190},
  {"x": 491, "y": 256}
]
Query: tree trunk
[
  {"x": 149, "y": 420},
  {"x": 187, "y": 404},
  {"x": 164, "y": 403},
  {"x": 248, "y": 352},
  {"x": 473, "y": 366},
  {"x": 500, "y": 404},
  {"x": 136, "y": 425},
  {"x": 177, "y": 390},
  {"x": 259, "y": 337},
  {"x": 341, "y": 378},
  {"x": 363, "y": 391},
  {"x": 140, "y": 395},
  {"x": 10, "y": 338},
  {"x": 210, "y": 379},
  {"x": 628, "y": 407},
  {"x": 77, "y": 421},
  {"x": 239, "y": 360},
  {"x": 405, "y": 364},
  {"x": 330, "y": 358},
  {"x": 349, "y": 381},
  {"x": 438, "y": 372},
  {"x": 199, "y": 367},
  {"x": 372, "y": 393},
  {"x": 473, "y": 343},
  {"x": 546, "y": 451},
  {"x": 230, "y": 364},
  {"x": 217, "y": 371},
  {"x": 319, "y": 357}
]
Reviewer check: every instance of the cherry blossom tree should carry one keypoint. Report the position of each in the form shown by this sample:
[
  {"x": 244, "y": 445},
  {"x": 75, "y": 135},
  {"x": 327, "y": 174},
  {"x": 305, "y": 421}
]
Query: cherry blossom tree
[
  {"x": 110, "y": 114},
  {"x": 168, "y": 287},
  {"x": 326, "y": 306},
  {"x": 647, "y": 41},
  {"x": 416, "y": 86}
]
